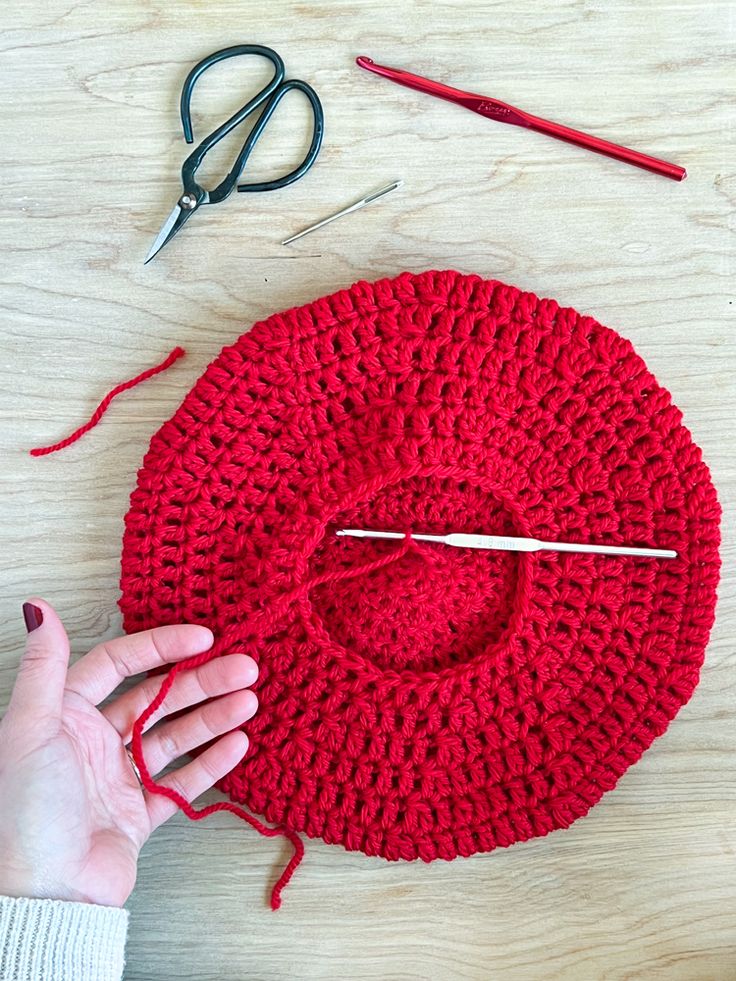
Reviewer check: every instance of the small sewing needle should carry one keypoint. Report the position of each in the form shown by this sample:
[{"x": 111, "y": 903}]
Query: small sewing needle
[
  {"x": 505, "y": 544},
  {"x": 355, "y": 206}
]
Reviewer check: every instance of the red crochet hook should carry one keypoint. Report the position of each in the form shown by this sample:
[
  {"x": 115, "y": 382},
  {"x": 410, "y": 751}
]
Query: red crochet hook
[{"x": 504, "y": 113}]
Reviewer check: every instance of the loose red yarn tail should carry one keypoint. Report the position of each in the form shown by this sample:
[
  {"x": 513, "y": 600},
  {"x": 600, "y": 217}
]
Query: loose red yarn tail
[
  {"x": 194, "y": 662},
  {"x": 177, "y": 353},
  {"x": 150, "y": 784}
]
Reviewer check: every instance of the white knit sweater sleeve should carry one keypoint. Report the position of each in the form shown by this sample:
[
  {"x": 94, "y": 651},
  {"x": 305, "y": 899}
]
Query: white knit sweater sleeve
[{"x": 51, "y": 940}]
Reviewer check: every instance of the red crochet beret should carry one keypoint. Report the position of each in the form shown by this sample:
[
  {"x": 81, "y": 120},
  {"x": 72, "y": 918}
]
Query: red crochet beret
[{"x": 418, "y": 701}]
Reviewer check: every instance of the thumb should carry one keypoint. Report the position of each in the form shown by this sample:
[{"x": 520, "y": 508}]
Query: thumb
[{"x": 39, "y": 687}]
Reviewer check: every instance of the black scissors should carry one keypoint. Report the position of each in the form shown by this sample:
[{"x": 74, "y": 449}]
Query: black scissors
[{"x": 193, "y": 195}]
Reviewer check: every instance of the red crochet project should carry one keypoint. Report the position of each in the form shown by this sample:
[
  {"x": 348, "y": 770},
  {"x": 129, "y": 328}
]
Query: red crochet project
[{"x": 418, "y": 701}]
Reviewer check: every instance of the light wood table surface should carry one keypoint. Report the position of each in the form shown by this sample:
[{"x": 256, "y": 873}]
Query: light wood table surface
[{"x": 645, "y": 886}]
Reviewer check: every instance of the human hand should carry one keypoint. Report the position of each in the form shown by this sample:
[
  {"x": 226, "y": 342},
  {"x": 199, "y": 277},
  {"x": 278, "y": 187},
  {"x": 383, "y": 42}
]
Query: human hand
[{"x": 73, "y": 816}]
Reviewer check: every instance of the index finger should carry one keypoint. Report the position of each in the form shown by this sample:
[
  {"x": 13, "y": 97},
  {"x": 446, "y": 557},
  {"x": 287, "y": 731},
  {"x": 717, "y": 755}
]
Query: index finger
[{"x": 98, "y": 673}]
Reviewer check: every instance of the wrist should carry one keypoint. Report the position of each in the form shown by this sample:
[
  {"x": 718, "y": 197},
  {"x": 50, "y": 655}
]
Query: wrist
[{"x": 19, "y": 883}]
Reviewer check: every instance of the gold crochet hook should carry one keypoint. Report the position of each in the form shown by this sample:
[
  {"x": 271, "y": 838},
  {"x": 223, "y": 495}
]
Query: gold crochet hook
[{"x": 505, "y": 544}]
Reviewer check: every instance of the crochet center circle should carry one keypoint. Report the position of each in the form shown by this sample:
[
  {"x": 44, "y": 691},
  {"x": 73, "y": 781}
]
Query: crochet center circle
[{"x": 419, "y": 701}]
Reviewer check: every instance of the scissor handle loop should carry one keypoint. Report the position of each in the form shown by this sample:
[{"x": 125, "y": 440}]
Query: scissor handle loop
[
  {"x": 254, "y": 136},
  {"x": 193, "y": 161}
]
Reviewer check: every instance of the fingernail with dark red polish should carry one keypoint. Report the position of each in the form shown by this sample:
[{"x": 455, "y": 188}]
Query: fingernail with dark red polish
[{"x": 33, "y": 616}]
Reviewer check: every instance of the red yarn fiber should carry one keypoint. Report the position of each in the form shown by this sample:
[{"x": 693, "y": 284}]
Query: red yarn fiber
[
  {"x": 418, "y": 701},
  {"x": 193, "y": 662},
  {"x": 196, "y": 815},
  {"x": 102, "y": 408}
]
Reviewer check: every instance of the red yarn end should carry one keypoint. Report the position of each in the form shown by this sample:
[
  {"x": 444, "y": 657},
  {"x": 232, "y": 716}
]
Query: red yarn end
[
  {"x": 291, "y": 867},
  {"x": 136, "y": 747},
  {"x": 177, "y": 353},
  {"x": 136, "y": 744}
]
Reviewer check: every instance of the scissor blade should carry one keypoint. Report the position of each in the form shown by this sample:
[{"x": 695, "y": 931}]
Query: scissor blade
[{"x": 170, "y": 227}]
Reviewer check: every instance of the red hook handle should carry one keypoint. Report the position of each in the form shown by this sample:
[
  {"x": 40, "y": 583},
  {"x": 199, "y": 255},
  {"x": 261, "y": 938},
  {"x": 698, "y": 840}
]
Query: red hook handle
[{"x": 504, "y": 113}]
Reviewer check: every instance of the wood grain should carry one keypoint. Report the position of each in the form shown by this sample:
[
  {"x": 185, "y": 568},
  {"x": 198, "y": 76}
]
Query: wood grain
[{"x": 645, "y": 887}]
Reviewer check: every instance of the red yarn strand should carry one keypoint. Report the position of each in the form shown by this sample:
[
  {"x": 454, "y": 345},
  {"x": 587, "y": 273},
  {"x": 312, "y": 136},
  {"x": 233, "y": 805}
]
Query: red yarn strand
[
  {"x": 102, "y": 408},
  {"x": 402, "y": 547},
  {"x": 196, "y": 815},
  {"x": 196, "y": 661}
]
